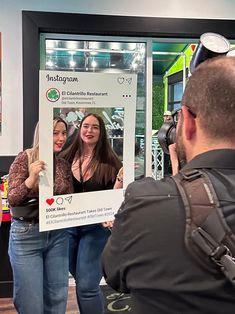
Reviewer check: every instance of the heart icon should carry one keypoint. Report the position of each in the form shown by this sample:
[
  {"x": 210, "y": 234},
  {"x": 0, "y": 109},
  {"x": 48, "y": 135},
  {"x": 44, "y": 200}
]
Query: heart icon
[
  {"x": 50, "y": 201},
  {"x": 129, "y": 80},
  {"x": 121, "y": 80}
]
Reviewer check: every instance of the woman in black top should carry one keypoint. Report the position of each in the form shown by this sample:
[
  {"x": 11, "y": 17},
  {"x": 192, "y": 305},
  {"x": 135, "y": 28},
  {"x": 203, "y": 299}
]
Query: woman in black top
[{"x": 94, "y": 166}]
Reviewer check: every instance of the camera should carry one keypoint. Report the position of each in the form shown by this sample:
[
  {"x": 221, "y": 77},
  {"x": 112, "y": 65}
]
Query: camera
[
  {"x": 210, "y": 45},
  {"x": 167, "y": 135}
]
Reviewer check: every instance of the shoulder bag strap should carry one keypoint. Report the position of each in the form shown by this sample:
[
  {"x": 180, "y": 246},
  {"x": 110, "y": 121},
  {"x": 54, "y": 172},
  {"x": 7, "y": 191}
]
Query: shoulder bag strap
[{"x": 207, "y": 236}]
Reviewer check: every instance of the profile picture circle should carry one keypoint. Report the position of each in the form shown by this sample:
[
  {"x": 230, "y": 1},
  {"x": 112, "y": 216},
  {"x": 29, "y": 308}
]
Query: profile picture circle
[{"x": 53, "y": 94}]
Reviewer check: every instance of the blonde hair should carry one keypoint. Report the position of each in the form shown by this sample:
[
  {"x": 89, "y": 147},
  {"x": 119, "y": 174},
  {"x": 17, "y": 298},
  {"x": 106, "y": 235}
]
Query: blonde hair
[{"x": 33, "y": 152}]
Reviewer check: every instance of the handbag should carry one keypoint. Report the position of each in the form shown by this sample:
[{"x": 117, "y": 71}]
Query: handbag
[{"x": 28, "y": 209}]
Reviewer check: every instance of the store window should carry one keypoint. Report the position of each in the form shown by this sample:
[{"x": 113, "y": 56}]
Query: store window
[{"x": 175, "y": 95}]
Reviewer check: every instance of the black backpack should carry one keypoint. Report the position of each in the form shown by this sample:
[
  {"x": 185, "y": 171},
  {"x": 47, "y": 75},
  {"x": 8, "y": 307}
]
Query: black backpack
[{"x": 207, "y": 236}]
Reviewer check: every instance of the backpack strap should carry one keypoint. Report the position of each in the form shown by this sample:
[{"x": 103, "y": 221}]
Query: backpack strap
[{"x": 207, "y": 236}]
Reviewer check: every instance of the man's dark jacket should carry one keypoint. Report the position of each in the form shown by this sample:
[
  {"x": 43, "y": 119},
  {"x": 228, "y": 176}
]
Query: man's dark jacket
[{"x": 146, "y": 254}]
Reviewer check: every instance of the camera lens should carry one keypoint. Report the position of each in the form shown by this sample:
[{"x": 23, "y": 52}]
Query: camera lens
[{"x": 166, "y": 136}]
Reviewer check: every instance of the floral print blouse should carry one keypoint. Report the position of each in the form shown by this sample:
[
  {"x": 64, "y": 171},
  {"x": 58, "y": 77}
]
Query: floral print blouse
[{"x": 18, "y": 191}]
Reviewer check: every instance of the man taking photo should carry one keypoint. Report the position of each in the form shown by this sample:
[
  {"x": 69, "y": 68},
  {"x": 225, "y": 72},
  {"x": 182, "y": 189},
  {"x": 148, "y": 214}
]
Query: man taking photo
[{"x": 146, "y": 254}]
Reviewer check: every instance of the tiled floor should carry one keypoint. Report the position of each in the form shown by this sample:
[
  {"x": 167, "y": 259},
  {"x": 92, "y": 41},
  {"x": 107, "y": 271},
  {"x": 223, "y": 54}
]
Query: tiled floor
[
  {"x": 114, "y": 302},
  {"x": 7, "y": 307}
]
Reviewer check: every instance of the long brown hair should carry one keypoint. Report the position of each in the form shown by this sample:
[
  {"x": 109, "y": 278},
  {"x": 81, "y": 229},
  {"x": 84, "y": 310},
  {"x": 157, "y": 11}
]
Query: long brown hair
[{"x": 104, "y": 163}]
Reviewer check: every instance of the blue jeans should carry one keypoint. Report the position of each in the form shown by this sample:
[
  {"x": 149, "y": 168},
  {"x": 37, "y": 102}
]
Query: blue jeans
[
  {"x": 40, "y": 268},
  {"x": 86, "y": 244}
]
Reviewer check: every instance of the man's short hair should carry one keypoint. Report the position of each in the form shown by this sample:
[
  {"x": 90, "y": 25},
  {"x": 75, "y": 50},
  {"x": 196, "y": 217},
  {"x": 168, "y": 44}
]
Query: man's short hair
[{"x": 210, "y": 94}]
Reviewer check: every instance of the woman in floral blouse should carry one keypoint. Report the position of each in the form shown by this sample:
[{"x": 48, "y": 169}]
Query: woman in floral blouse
[{"x": 39, "y": 259}]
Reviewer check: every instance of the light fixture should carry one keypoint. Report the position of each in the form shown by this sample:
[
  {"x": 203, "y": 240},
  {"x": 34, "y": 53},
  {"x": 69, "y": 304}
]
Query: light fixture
[
  {"x": 142, "y": 49},
  {"x": 72, "y": 63},
  {"x": 211, "y": 45},
  {"x": 93, "y": 63},
  {"x": 49, "y": 63},
  {"x": 134, "y": 65}
]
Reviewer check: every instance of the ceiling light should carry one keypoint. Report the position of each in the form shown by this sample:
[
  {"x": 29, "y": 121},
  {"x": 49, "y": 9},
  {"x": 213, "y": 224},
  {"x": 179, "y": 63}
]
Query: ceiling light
[
  {"x": 134, "y": 65},
  {"x": 142, "y": 49},
  {"x": 49, "y": 63},
  {"x": 93, "y": 63},
  {"x": 72, "y": 63}
]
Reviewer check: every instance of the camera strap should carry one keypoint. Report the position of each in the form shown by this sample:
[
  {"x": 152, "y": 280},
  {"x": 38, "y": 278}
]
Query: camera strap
[{"x": 207, "y": 235}]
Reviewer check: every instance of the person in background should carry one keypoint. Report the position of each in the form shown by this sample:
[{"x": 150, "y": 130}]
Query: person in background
[
  {"x": 167, "y": 116},
  {"x": 94, "y": 167},
  {"x": 139, "y": 163},
  {"x": 139, "y": 172},
  {"x": 39, "y": 259},
  {"x": 146, "y": 254},
  {"x": 119, "y": 180},
  {"x": 139, "y": 160}
]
